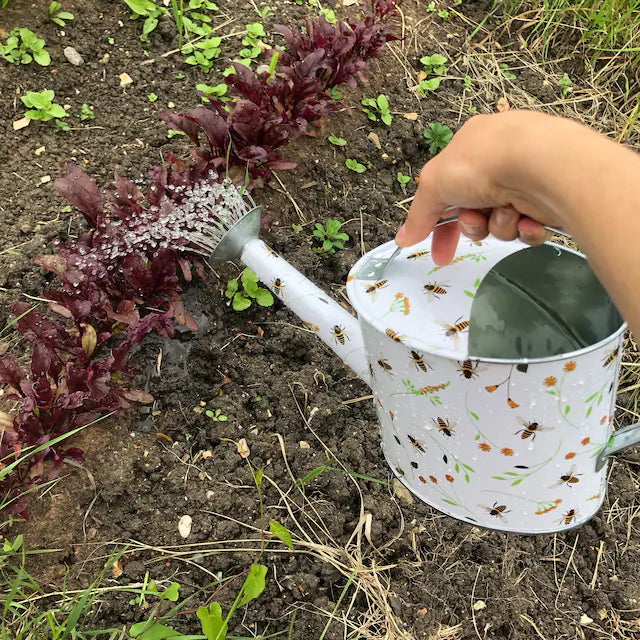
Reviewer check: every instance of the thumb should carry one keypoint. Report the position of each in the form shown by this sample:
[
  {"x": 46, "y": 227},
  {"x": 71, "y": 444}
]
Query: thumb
[{"x": 424, "y": 212}]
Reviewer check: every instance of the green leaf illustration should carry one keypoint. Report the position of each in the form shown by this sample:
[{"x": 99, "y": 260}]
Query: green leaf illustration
[
  {"x": 589, "y": 410},
  {"x": 475, "y": 417},
  {"x": 497, "y": 477},
  {"x": 567, "y": 409},
  {"x": 455, "y": 504},
  {"x": 516, "y": 482}
]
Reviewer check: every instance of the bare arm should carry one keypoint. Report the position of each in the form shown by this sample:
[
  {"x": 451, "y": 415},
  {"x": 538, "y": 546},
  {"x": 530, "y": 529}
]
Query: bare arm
[{"x": 510, "y": 173}]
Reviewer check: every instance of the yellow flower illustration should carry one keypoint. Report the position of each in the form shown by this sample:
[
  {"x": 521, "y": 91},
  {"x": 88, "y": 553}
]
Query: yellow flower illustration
[
  {"x": 505, "y": 451},
  {"x": 550, "y": 381},
  {"x": 484, "y": 446},
  {"x": 569, "y": 366}
]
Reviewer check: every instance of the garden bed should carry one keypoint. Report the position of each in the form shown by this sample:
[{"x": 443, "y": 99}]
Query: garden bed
[{"x": 368, "y": 559}]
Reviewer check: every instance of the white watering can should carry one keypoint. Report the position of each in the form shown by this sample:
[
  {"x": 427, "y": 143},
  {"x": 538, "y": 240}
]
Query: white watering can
[{"x": 494, "y": 377}]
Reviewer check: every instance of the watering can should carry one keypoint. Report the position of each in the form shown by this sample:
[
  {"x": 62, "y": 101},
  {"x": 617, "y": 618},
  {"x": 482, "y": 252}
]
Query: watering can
[{"x": 494, "y": 377}]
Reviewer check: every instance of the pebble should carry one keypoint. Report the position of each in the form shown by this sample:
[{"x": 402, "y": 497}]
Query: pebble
[
  {"x": 585, "y": 620},
  {"x": 125, "y": 80},
  {"x": 479, "y": 605},
  {"x": 73, "y": 56},
  {"x": 184, "y": 526}
]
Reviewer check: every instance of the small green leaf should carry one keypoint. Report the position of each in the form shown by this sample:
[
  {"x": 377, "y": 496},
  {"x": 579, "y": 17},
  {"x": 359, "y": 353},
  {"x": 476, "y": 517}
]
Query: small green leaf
[
  {"x": 383, "y": 103},
  {"x": 254, "y": 584},
  {"x": 567, "y": 409},
  {"x": 240, "y": 303},
  {"x": 387, "y": 118},
  {"x": 264, "y": 297},
  {"x": 282, "y": 533},
  {"x": 232, "y": 287},
  {"x": 152, "y": 97},
  {"x": 516, "y": 482},
  {"x": 259, "y": 475},
  {"x": 589, "y": 410},
  {"x": 171, "y": 592},
  {"x": 150, "y": 630},
  {"x": 213, "y": 625},
  {"x": 477, "y": 437},
  {"x": 497, "y": 477},
  {"x": 338, "y": 142}
]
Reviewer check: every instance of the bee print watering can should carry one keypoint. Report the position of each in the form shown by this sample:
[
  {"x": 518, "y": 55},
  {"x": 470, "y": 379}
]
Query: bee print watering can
[{"x": 494, "y": 377}]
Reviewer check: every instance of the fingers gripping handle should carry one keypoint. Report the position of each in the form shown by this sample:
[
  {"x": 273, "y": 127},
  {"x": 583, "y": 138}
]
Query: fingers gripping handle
[{"x": 335, "y": 326}]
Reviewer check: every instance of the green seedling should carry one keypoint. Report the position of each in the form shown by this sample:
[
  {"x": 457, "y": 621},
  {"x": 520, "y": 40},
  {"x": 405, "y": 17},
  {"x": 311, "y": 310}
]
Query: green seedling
[
  {"x": 174, "y": 132},
  {"x": 329, "y": 15},
  {"x": 151, "y": 13},
  {"x": 466, "y": 82},
  {"x": 59, "y": 17},
  {"x": 331, "y": 237},
  {"x": 86, "y": 112},
  {"x": 203, "y": 52},
  {"x": 433, "y": 65},
  {"x": 565, "y": 84},
  {"x": 443, "y": 14},
  {"x": 216, "y": 416},
  {"x": 377, "y": 107},
  {"x": 438, "y": 135},
  {"x": 509, "y": 75},
  {"x": 403, "y": 180},
  {"x": 354, "y": 165},
  {"x": 431, "y": 7},
  {"x": 42, "y": 107},
  {"x": 252, "y": 42},
  {"x": 218, "y": 91},
  {"x": 265, "y": 12},
  {"x": 242, "y": 290},
  {"x": 335, "y": 93},
  {"x": 152, "y": 97},
  {"x": 338, "y": 142},
  {"x": 23, "y": 46},
  {"x": 297, "y": 227}
]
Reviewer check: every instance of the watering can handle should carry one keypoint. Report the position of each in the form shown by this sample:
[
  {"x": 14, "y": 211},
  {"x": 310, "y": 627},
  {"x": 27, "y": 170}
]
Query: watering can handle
[{"x": 619, "y": 440}]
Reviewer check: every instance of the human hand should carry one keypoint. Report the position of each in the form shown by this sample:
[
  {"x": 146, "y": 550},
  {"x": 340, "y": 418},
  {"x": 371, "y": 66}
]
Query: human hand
[{"x": 478, "y": 178}]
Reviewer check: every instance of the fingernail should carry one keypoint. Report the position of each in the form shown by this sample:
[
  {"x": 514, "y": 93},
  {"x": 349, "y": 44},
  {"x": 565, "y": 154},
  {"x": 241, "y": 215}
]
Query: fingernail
[
  {"x": 502, "y": 217},
  {"x": 469, "y": 230}
]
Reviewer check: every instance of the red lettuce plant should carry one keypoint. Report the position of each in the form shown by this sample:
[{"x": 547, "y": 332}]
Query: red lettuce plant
[
  {"x": 122, "y": 277},
  {"x": 267, "y": 111}
]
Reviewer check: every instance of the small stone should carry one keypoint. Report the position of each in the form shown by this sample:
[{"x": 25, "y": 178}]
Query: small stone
[
  {"x": 171, "y": 105},
  {"x": 184, "y": 526},
  {"x": 585, "y": 620},
  {"x": 125, "y": 80},
  {"x": 210, "y": 494},
  {"x": 105, "y": 58},
  {"x": 21, "y": 124},
  {"x": 410, "y": 116},
  {"x": 44, "y": 179},
  {"x": 401, "y": 491},
  {"x": 373, "y": 137},
  {"x": 73, "y": 56},
  {"x": 39, "y": 151},
  {"x": 304, "y": 444},
  {"x": 479, "y": 605}
]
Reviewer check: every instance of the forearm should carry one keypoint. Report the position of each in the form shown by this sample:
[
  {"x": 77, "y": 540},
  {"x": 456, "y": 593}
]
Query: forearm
[{"x": 592, "y": 185}]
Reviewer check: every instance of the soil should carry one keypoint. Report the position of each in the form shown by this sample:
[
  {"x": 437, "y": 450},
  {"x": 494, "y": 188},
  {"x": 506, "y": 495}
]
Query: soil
[{"x": 296, "y": 405}]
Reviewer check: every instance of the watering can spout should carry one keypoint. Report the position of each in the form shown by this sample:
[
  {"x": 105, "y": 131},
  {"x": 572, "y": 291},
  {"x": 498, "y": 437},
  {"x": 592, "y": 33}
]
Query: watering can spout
[{"x": 320, "y": 314}]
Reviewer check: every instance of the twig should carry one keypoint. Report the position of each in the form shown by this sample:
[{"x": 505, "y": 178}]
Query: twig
[{"x": 592, "y": 586}]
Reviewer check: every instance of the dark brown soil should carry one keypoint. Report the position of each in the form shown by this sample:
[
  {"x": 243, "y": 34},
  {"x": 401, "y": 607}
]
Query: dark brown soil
[{"x": 145, "y": 470}]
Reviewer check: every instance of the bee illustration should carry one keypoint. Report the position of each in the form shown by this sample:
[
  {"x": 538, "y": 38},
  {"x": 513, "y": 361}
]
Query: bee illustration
[
  {"x": 277, "y": 285},
  {"x": 530, "y": 429},
  {"x": 569, "y": 517},
  {"x": 416, "y": 444},
  {"x": 444, "y": 426},
  {"x": 394, "y": 336},
  {"x": 418, "y": 254},
  {"x": 497, "y": 510},
  {"x": 339, "y": 334},
  {"x": 399, "y": 471},
  {"x": 569, "y": 478},
  {"x": 397, "y": 439},
  {"x": 610, "y": 358},
  {"x": 468, "y": 369},
  {"x": 383, "y": 364},
  {"x": 372, "y": 373},
  {"x": 435, "y": 290},
  {"x": 417, "y": 359},
  {"x": 454, "y": 330},
  {"x": 272, "y": 252},
  {"x": 371, "y": 290}
]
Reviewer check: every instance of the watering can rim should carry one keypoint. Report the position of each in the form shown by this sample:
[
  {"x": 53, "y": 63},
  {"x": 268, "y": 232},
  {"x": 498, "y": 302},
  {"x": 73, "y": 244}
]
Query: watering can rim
[{"x": 451, "y": 354}]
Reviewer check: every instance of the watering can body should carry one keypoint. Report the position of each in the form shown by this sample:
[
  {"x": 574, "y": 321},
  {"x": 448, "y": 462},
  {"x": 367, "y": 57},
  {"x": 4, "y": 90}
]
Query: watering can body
[{"x": 516, "y": 443}]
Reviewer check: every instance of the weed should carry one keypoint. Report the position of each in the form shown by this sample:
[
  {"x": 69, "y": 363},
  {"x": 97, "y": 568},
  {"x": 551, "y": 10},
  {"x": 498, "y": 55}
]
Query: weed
[
  {"x": 86, "y": 112},
  {"x": 148, "y": 10},
  {"x": 218, "y": 91},
  {"x": 23, "y": 46},
  {"x": 509, "y": 75},
  {"x": 338, "y": 142},
  {"x": 466, "y": 82},
  {"x": 216, "y": 416},
  {"x": 152, "y": 97},
  {"x": 354, "y": 165},
  {"x": 443, "y": 14},
  {"x": 59, "y": 17},
  {"x": 403, "y": 180},
  {"x": 331, "y": 237},
  {"x": 297, "y": 227},
  {"x": 241, "y": 296},
  {"x": 329, "y": 15},
  {"x": 433, "y": 65},
  {"x": 42, "y": 107},
  {"x": 438, "y": 135},
  {"x": 203, "y": 52},
  {"x": 335, "y": 93},
  {"x": 252, "y": 42},
  {"x": 375, "y": 107},
  {"x": 265, "y": 12},
  {"x": 171, "y": 133},
  {"x": 565, "y": 84}
]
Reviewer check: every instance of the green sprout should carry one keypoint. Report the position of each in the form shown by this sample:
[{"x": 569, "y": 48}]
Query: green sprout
[
  {"x": 354, "y": 165},
  {"x": 338, "y": 142},
  {"x": 331, "y": 237},
  {"x": 23, "y": 46},
  {"x": 565, "y": 84},
  {"x": 42, "y": 107},
  {"x": 434, "y": 65},
  {"x": 216, "y": 416},
  {"x": 438, "y": 135},
  {"x": 217, "y": 91},
  {"x": 59, "y": 17},
  {"x": 403, "y": 180},
  {"x": 375, "y": 107},
  {"x": 243, "y": 289},
  {"x": 86, "y": 112}
]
